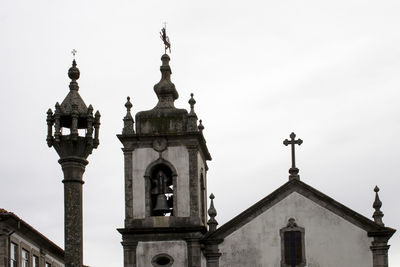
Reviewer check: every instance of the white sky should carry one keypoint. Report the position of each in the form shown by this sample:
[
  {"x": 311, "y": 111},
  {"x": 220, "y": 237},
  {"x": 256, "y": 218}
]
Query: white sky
[{"x": 328, "y": 70}]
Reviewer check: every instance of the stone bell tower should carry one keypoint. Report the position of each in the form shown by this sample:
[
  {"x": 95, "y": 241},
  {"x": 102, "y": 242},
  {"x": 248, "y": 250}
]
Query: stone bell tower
[
  {"x": 165, "y": 181},
  {"x": 76, "y": 134}
]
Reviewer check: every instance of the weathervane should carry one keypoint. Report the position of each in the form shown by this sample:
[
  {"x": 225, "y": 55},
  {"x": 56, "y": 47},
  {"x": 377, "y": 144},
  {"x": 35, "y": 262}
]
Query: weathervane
[
  {"x": 294, "y": 172},
  {"x": 164, "y": 37},
  {"x": 73, "y": 52}
]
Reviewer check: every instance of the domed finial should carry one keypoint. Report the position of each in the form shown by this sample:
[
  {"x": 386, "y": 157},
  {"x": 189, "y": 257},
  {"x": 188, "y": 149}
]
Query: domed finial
[
  {"x": 378, "y": 214},
  {"x": 73, "y": 74},
  {"x": 201, "y": 127},
  {"x": 212, "y": 212}
]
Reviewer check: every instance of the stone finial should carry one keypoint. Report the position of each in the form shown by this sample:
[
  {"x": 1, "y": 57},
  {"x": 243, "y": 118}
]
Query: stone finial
[
  {"x": 192, "y": 102},
  {"x": 378, "y": 214},
  {"x": 192, "y": 117},
  {"x": 201, "y": 127},
  {"x": 96, "y": 125},
  {"x": 128, "y": 119},
  {"x": 212, "y": 212},
  {"x": 73, "y": 74},
  {"x": 50, "y": 121}
]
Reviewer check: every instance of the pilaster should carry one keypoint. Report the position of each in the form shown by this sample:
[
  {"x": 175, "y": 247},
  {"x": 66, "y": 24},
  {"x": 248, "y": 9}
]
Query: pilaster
[
  {"x": 194, "y": 252},
  {"x": 4, "y": 248},
  {"x": 211, "y": 252},
  {"x": 194, "y": 181},
  {"x": 129, "y": 253},
  {"x": 379, "y": 246},
  {"x": 128, "y": 165}
]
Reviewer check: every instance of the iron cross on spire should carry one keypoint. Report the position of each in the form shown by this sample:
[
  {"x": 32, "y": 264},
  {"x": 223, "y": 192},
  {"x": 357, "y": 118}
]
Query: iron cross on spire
[
  {"x": 294, "y": 172},
  {"x": 164, "y": 37}
]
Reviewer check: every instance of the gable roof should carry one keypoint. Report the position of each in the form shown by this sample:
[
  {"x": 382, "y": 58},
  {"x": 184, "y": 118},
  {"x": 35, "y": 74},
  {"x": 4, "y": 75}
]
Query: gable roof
[{"x": 308, "y": 192}]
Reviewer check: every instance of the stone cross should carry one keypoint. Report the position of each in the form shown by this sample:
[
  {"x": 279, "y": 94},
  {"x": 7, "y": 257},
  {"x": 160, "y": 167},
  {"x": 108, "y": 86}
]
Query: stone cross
[
  {"x": 293, "y": 170},
  {"x": 73, "y": 52}
]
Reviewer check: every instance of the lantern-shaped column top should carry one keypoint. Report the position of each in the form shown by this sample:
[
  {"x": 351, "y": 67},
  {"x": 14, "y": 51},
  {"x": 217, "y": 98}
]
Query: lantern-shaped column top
[{"x": 69, "y": 117}]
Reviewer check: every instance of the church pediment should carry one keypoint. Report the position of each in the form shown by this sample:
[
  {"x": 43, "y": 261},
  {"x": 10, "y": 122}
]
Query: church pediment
[{"x": 306, "y": 191}]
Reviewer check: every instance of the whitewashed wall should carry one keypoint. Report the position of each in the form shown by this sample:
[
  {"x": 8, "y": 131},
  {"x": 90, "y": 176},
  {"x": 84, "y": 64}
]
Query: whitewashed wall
[
  {"x": 141, "y": 158},
  {"x": 330, "y": 241}
]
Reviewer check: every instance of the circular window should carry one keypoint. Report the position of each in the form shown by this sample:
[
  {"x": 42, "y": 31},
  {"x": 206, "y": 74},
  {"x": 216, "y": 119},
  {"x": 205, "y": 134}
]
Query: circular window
[{"x": 162, "y": 260}]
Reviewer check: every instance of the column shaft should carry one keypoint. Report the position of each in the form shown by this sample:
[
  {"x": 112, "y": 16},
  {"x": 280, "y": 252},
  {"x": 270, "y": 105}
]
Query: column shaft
[{"x": 73, "y": 216}]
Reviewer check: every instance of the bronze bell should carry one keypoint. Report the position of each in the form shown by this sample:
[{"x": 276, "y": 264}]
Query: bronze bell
[{"x": 161, "y": 204}]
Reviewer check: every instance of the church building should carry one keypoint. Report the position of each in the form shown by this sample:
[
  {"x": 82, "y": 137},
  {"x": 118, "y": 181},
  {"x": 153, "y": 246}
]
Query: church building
[{"x": 165, "y": 205}]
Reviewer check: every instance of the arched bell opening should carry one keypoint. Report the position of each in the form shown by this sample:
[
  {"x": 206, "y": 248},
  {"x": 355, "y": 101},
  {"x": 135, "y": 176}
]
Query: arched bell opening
[{"x": 161, "y": 191}]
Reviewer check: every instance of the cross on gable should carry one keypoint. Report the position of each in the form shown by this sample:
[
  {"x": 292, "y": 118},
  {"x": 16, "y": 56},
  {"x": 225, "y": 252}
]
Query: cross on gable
[{"x": 293, "y": 171}]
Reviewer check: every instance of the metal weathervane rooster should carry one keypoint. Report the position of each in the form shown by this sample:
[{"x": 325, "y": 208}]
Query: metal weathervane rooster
[{"x": 164, "y": 37}]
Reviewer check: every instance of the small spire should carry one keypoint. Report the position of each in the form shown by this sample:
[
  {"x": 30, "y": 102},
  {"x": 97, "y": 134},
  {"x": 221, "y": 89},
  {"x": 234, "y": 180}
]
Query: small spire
[
  {"x": 201, "y": 127},
  {"x": 212, "y": 212},
  {"x": 192, "y": 117},
  {"x": 128, "y": 120},
  {"x": 378, "y": 214},
  {"x": 192, "y": 102}
]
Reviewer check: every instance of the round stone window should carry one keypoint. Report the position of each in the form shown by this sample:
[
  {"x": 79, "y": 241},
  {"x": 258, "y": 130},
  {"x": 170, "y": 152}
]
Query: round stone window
[{"x": 162, "y": 260}]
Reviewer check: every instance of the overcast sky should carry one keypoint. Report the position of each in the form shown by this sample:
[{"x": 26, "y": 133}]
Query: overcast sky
[{"x": 327, "y": 70}]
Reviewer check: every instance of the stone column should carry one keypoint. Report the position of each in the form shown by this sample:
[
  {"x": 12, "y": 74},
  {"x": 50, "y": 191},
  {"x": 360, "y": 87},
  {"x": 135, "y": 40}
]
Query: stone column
[
  {"x": 73, "y": 169},
  {"x": 129, "y": 253}
]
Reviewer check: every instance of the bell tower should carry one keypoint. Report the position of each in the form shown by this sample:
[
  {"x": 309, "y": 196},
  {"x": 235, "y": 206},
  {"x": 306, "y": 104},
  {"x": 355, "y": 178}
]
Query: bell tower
[{"x": 165, "y": 181}]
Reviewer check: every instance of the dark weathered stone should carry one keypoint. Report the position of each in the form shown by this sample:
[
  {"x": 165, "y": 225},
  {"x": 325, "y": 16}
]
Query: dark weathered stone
[{"x": 73, "y": 169}]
